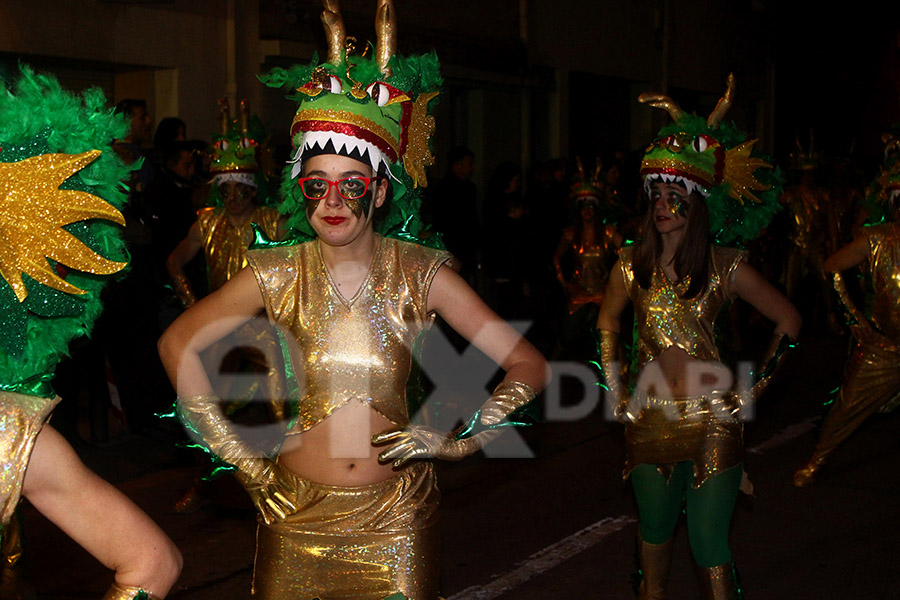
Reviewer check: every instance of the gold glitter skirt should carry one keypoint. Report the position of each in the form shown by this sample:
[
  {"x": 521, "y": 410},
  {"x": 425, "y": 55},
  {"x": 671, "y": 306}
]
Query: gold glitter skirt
[
  {"x": 21, "y": 419},
  {"x": 702, "y": 429},
  {"x": 359, "y": 543}
]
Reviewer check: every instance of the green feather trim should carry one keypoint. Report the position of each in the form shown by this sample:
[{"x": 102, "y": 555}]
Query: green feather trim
[
  {"x": 732, "y": 222},
  {"x": 37, "y": 116}
]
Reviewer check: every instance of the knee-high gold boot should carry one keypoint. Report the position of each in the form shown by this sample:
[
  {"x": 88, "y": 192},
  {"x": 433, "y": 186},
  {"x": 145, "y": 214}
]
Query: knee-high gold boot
[
  {"x": 655, "y": 561},
  {"x": 718, "y": 583}
]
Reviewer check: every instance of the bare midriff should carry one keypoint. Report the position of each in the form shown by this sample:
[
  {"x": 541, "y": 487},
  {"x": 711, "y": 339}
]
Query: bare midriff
[
  {"x": 338, "y": 450},
  {"x": 675, "y": 374}
]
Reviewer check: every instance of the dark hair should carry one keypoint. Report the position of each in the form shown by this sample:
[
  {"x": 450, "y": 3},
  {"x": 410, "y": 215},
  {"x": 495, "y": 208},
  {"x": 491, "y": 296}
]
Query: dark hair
[
  {"x": 174, "y": 149},
  {"x": 691, "y": 256},
  {"x": 457, "y": 153},
  {"x": 167, "y": 130},
  {"x": 128, "y": 105}
]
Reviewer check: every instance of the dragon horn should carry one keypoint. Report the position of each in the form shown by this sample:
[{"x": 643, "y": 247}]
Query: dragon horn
[
  {"x": 662, "y": 101},
  {"x": 580, "y": 167},
  {"x": 334, "y": 30},
  {"x": 224, "y": 116},
  {"x": 245, "y": 117},
  {"x": 386, "y": 31},
  {"x": 723, "y": 105},
  {"x": 598, "y": 170}
]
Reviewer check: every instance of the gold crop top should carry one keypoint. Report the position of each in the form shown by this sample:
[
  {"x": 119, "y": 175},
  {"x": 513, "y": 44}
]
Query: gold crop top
[
  {"x": 884, "y": 264},
  {"x": 343, "y": 349},
  {"x": 665, "y": 319},
  {"x": 225, "y": 245}
]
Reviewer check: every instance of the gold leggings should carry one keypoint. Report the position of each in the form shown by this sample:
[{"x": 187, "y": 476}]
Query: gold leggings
[
  {"x": 871, "y": 384},
  {"x": 360, "y": 543}
]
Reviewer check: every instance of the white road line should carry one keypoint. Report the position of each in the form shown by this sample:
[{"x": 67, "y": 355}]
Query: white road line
[
  {"x": 546, "y": 559},
  {"x": 784, "y": 436}
]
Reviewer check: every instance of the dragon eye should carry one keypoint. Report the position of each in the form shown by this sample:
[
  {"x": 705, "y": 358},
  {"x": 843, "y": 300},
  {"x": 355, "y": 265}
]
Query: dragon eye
[
  {"x": 335, "y": 84},
  {"x": 379, "y": 93},
  {"x": 700, "y": 144},
  {"x": 224, "y": 145}
]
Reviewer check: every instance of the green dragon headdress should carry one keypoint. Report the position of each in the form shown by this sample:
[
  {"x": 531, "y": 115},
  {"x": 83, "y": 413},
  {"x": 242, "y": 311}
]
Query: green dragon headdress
[
  {"x": 376, "y": 109},
  {"x": 883, "y": 194},
  {"x": 717, "y": 160},
  {"x": 239, "y": 154},
  {"x": 60, "y": 191}
]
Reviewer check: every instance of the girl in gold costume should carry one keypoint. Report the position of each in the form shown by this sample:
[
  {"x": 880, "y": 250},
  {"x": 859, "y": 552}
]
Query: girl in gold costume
[
  {"x": 338, "y": 518},
  {"x": 682, "y": 426},
  {"x": 872, "y": 375}
]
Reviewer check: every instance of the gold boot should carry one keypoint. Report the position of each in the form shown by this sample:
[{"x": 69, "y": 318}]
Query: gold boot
[
  {"x": 718, "y": 583},
  {"x": 655, "y": 561},
  {"x": 806, "y": 475}
]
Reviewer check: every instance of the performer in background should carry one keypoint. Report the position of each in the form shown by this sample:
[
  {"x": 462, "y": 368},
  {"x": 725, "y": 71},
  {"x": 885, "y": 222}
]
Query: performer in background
[
  {"x": 61, "y": 191},
  {"x": 240, "y": 198},
  {"x": 337, "y": 517},
  {"x": 707, "y": 190},
  {"x": 872, "y": 375}
]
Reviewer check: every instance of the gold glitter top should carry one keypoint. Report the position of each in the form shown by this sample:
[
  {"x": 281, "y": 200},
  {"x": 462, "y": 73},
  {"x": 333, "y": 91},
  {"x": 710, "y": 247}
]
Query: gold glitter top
[
  {"x": 21, "y": 419},
  {"x": 226, "y": 245},
  {"x": 357, "y": 348},
  {"x": 665, "y": 319},
  {"x": 884, "y": 264}
]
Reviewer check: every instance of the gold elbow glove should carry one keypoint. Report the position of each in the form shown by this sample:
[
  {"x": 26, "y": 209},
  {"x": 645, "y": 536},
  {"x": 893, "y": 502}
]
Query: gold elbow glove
[
  {"x": 844, "y": 294},
  {"x": 507, "y": 397},
  {"x": 260, "y": 476},
  {"x": 127, "y": 592},
  {"x": 183, "y": 289},
  {"x": 772, "y": 361},
  {"x": 612, "y": 373},
  {"x": 418, "y": 442}
]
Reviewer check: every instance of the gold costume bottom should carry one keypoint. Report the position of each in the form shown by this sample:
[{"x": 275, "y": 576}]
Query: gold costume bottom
[
  {"x": 21, "y": 419},
  {"x": 359, "y": 543},
  {"x": 871, "y": 384},
  {"x": 704, "y": 430}
]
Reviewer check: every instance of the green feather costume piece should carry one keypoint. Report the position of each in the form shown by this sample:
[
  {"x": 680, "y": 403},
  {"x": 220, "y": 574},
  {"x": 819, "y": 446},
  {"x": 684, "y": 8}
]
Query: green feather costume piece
[{"x": 40, "y": 121}]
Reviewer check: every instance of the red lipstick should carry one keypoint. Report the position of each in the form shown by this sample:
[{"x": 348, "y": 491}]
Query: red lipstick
[{"x": 334, "y": 220}]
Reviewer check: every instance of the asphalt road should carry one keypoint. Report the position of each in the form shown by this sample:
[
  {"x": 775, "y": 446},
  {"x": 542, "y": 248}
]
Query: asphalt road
[{"x": 561, "y": 524}]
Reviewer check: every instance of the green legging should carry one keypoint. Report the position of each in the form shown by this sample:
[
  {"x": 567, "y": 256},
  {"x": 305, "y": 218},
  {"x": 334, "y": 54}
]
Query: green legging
[{"x": 708, "y": 509}]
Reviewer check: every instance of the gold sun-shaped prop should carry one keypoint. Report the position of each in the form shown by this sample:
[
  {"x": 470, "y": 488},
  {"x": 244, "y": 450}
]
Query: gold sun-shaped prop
[{"x": 33, "y": 212}]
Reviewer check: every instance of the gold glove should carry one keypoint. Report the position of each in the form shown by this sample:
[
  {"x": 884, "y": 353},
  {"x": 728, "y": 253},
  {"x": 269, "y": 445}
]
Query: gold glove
[
  {"x": 127, "y": 592},
  {"x": 844, "y": 294},
  {"x": 507, "y": 397},
  {"x": 418, "y": 441},
  {"x": 183, "y": 289},
  {"x": 260, "y": 476},
  {"x": 612, "y": 373},
  {"x": 772, "y": 361}
]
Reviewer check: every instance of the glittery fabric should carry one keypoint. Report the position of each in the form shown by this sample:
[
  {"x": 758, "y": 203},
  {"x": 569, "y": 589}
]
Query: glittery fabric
[
  {"x": 884, "y": 264},
  {"x": 666, "y": 431},
  {"x": 349, "y": 348},
  {"x": 718, "y": 583},
  {"x": 225, "y": 245},
  {"x": 127, "y": 592},
  {"x": 21, "y": 419},
  {"x": 33, "y": 212},
  {"x": 593, "y": 261},
  {"x": 704, "y": 430},
  {"x": 871, "y": 384},
  {"x": 364, "y": 543},
  {"x": 665, "y": 319}
]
